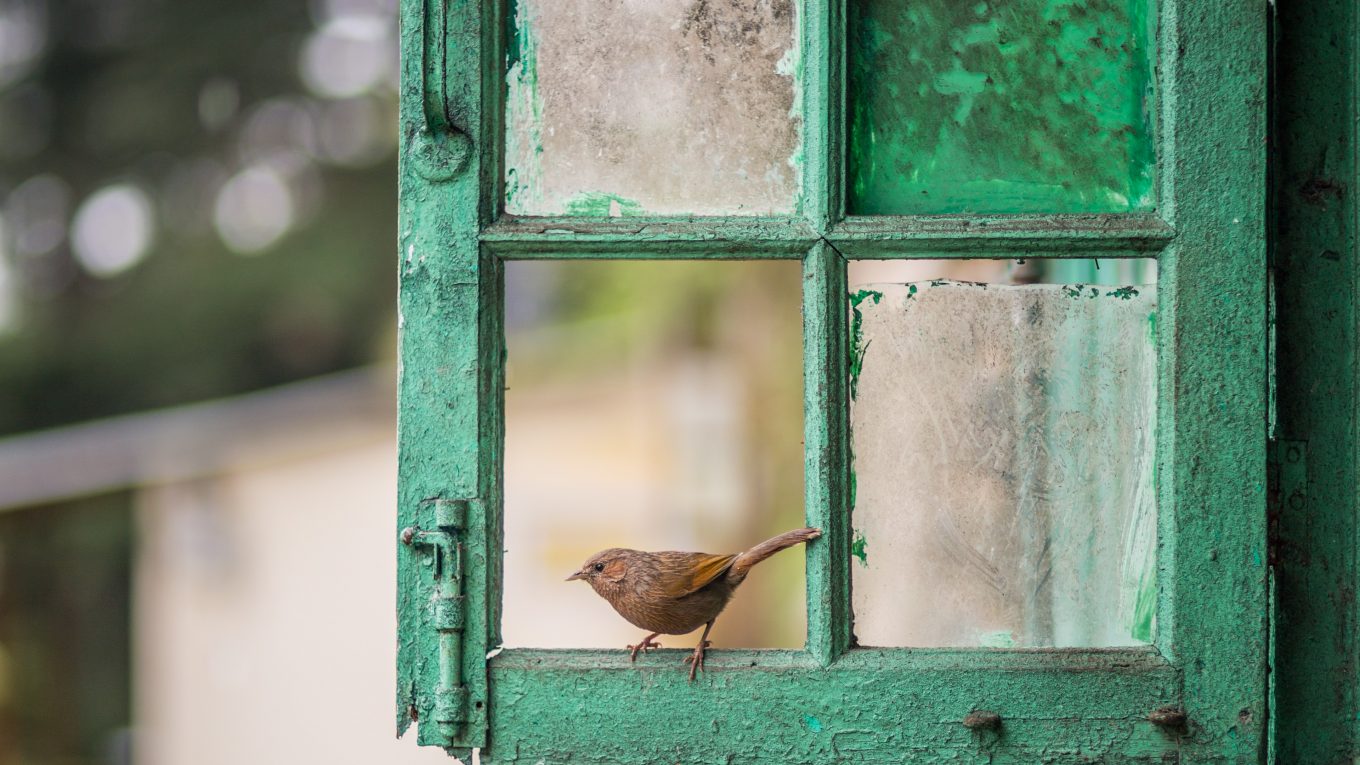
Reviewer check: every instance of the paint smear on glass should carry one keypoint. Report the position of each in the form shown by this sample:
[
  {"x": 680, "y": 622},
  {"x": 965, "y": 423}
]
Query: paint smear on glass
[{"x": 1000, "y": 107}]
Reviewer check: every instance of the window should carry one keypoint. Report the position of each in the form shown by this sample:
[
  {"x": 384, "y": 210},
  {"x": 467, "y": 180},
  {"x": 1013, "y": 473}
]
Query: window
[{"x": 1039, "y": 131}]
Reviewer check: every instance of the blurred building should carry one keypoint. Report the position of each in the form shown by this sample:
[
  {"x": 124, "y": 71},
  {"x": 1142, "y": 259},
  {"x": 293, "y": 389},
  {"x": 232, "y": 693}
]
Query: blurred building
[{"x": 262, "y": 582}]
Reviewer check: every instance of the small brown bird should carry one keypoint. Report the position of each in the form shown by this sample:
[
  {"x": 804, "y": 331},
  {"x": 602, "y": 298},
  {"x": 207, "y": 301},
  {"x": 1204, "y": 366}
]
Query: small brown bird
[{"x": 672, "y": 593}]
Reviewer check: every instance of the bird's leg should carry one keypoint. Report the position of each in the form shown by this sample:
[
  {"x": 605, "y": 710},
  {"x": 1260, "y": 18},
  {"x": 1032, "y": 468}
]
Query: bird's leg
[
  {"x": 645, "y": 646},
  {"x": 696, "y": 659}
]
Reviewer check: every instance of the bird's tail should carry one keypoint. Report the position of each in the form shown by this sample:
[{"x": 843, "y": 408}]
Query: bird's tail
[{"x": 744, "y": 562}]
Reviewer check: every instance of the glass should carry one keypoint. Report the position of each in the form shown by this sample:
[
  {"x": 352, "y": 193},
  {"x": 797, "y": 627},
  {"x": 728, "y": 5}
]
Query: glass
[
  {"x": 1004, "y": 443},
  {"x": 661, "y": 107},
  {"x": 1027, "y": 106},
  {"x": 653, "y": 406}
]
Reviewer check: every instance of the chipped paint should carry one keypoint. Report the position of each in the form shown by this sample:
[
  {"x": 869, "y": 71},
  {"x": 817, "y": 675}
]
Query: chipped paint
[
  {"x": 856, "y": 349},
  {"x": 859, "y": 548},
  {"x": 602, "y": 204}
]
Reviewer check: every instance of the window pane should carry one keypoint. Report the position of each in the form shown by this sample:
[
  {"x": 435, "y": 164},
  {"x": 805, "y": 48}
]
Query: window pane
[
  {"x": 1021, "y": 106},
  {"x": 666, "y": 107},
  {"x": 652, "y": 406},
  {"x": 1003, "y": 442}
]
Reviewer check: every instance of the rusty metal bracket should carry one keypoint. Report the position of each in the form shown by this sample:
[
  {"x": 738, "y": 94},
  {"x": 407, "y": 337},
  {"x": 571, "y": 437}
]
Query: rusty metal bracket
[{"x": 447, "y": 608}]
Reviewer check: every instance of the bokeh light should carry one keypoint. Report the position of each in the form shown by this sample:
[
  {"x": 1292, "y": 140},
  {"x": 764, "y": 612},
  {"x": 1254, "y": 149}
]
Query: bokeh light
[
  {"x": 113, "y": 230},
  {"x": 254, "y": 210},
  {"x": 348, "y": 56},
  {"x": 23, "y": 37}
]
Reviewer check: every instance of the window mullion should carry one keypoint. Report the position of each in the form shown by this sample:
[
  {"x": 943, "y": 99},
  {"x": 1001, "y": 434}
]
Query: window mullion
[
  {"x": 826, "y": 450},
  {"x": 822, "y": 46}
]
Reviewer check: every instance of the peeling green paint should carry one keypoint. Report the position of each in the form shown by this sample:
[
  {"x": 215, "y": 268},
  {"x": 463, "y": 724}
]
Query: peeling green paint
[
  {"x": 999, "y": 639},
  {"x": 523, "y": 148},
  {"x": 1145, "y": 607},
  {"x": 857, "y": 318},
  {"x": 603, "y": 204},
  {"x": 859, "y": 548},
  {"x": 812, "y": 723},
  {"x": 1123, "y": 293},
  {"x": 1026, "y": 106}
]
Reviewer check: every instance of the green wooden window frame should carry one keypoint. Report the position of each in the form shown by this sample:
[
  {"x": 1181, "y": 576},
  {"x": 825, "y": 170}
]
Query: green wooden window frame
[{"x": 832, "y": 701}]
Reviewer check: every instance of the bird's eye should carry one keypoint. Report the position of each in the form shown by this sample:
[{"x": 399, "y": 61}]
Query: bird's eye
[{"x": 598, "y": 567}]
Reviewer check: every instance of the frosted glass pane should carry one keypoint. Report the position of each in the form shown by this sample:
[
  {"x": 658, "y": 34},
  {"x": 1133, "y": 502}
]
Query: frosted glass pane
[
  {"x": 1003, "y": 450},
  {"x": 665, "y": 107}
]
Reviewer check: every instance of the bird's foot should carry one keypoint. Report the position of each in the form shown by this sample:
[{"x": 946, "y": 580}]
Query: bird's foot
[
  {"x": 696, "y": 659},
  {"x": 646, "y": 645}
]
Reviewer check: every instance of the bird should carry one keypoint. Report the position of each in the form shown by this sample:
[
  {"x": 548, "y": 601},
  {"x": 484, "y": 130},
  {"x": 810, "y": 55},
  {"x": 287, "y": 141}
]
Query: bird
[{"x": 673, "y": 593}]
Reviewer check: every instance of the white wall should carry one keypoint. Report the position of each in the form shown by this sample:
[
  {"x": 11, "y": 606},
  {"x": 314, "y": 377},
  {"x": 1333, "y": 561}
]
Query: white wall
[{"x": 264, "y": 614}]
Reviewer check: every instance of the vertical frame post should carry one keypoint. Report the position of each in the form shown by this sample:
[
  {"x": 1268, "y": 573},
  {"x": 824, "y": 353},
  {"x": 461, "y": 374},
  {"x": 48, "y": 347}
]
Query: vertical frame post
[
  {"x": 448, "y": 393},
  {"x": 1213, "y": 430},
  {"x": 827, "y": 451}
]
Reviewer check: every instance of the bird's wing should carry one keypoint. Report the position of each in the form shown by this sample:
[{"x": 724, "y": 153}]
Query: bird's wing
[{"x": 697, "y": 573}]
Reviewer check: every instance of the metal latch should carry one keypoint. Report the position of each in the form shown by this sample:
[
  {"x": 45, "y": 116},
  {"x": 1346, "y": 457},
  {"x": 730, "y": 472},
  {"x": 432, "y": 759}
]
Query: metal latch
[{"x": 447, "y": 608}]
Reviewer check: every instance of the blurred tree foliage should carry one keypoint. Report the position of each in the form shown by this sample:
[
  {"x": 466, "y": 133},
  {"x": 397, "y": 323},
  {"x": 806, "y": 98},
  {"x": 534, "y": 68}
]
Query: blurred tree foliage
[
  {"x": 65, "y": 632},
  {"x": 178, "y": 99}
]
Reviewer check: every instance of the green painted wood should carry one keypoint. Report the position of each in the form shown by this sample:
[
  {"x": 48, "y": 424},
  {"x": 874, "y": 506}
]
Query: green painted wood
[
  {"x": 833, "y": 701},
  {"x": 1211, "y": 619},
  {"x": 822, "y": 63},
  {"x": 945, "y": 236},
  {"x": 826, "y": 445},
  {"x": 449, "y": 312},
  {"x": 871, "y": 706},
  {"x": 528, "y": 238},
  {"x": 1317, "y": 711},
  {"x": 1022, "y": 106}
]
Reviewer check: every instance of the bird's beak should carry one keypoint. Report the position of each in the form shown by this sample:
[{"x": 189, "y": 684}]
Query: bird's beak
[{"x": 577, "y": 575}]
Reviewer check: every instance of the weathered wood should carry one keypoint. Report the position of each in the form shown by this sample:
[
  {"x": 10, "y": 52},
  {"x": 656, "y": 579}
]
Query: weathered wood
[
  {"x": 834, "y": 702},
  {"x": 1211, "y": 620},
  {"x": 449, "y": 304},
  {"x": 1317, "y": 650},
  {"x": 871, "y": 706}
]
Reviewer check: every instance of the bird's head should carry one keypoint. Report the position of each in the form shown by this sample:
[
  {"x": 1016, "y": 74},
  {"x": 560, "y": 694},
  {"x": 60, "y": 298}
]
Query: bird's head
[{"x": 604, "y": 568}]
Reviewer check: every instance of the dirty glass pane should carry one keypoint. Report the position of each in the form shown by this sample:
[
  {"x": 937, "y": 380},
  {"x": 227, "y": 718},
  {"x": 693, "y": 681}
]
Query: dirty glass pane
[
  {"x": 1003, "y": 442},
  {"x": 1004, "y": 107},
  {"x": 653, "y": 406},
  {"x": 664, "y": 107}
]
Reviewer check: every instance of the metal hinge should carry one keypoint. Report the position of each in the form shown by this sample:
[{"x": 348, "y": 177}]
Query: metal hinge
[
  {"x": 1286, "y": 488},
  {"x": 448, "y": 612}
]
